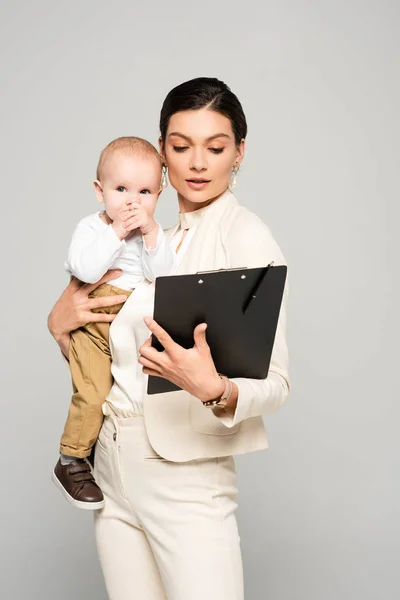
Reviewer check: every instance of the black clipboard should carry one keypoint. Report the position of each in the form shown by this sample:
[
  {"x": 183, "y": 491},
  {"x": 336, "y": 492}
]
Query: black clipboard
[{"x": 241, "y": 308}]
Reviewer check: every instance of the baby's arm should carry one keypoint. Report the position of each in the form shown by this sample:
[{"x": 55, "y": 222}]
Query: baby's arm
[
  {"x": 160, "y": 260},
  {"x": 92, "y": 252}
]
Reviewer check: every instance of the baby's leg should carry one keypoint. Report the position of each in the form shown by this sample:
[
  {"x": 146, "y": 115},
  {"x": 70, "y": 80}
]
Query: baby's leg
[{"x": 90, "y": 364}]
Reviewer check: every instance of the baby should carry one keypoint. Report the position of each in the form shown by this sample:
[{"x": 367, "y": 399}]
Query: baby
[{"x": 125, "y": 236}]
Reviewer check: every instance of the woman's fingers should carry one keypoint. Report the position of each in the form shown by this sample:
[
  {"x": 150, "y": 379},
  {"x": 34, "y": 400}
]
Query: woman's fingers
[
  {"x": 200, "y": 340},
  {"x": 147, "y": 351},
  {"x": 149, "y": 364},
  {"x": 163, "y": 337},
  {"x": 73, "y": 308},
  {"x": 100, "y": 317},
  {"x": 150, "y": 353},
  {"x": 104, "y": 301},
  {"x": 151, "y": 372}
]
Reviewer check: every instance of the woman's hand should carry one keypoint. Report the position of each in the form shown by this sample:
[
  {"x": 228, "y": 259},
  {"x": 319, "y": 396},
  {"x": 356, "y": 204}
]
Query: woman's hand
[
  {"x": 192, "y": 370},
  {"x": 73, "y": 309}
]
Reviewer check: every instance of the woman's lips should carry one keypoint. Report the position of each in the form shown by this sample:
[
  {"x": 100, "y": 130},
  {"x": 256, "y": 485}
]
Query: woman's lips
[{"x": 197, "y": 184}]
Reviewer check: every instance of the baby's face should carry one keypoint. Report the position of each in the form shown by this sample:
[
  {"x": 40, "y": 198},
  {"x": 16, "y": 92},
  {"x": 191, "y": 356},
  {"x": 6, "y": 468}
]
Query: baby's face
[{"x": 128, "y": 179}]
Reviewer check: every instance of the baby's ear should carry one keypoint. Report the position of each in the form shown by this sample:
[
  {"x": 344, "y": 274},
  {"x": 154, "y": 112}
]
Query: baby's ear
[{"x": 98, "y": 190}]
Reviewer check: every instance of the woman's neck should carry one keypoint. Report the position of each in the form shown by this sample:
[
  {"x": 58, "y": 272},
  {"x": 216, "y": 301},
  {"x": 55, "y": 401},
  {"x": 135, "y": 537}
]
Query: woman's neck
[{"x": 186, "y": 206}]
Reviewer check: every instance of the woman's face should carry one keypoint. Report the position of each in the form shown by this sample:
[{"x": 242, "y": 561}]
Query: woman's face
[{"x": 200, "y": 151}]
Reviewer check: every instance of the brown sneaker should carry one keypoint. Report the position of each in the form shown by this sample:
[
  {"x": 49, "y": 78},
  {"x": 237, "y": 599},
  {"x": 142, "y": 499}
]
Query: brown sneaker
[{"x": 78, "y": 485}]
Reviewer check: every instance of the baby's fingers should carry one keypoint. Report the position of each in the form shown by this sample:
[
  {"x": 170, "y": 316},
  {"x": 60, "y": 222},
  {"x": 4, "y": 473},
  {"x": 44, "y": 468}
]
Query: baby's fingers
[{"x": 133, "y": 224}]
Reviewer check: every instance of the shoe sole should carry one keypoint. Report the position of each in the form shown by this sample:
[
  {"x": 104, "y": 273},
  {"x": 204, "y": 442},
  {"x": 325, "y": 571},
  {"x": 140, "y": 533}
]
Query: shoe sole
[{"x": 71, "y": 500}]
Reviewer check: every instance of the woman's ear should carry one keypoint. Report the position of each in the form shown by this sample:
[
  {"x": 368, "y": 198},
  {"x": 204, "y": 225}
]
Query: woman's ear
[
  {"x": 161, "y": 148},
  {"x": 240, "y": 151},
  {"x": 98, "y": 191}
]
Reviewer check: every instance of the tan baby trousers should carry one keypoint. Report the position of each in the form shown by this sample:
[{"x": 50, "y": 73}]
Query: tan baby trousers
[{"x": 90, "y": 364}]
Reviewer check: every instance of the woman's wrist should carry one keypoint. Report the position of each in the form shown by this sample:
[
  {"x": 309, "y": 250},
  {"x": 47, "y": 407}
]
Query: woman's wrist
[
  {"x": 214, "y": 389},
  {"x": 230, "y": 408},
  {"x": 217, "y": 388}
]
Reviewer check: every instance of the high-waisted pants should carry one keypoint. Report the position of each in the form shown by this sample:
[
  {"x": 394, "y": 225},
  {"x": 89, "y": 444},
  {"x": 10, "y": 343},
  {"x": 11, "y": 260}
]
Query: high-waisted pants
[{"x": 168, "y": 530}]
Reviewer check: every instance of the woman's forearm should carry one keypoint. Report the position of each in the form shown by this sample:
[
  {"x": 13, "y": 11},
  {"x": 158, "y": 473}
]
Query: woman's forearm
[
  {"x": 63, "y": 342},
  {"x": 53, "y": 324},
  {"x": 61, "y": 337}
]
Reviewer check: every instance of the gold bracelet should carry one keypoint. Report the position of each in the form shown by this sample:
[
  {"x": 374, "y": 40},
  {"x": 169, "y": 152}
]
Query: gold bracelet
[{"x": 222, "y": 401}]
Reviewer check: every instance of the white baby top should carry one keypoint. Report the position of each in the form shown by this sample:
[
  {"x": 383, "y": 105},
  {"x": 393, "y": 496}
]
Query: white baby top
[{"x": 95, "y": 248}]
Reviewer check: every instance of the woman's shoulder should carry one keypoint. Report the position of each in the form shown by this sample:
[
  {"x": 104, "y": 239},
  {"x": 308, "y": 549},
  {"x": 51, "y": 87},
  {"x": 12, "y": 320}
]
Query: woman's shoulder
[
  {"x": 242, "y": 214},
  {"x": 247, "y": 237}
]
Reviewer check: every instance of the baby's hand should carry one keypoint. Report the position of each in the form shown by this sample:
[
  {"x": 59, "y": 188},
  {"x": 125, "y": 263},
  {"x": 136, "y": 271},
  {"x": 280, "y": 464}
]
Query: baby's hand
[
  {"x": 137, "y": 218},
  {"x": 119, "y": 223}
]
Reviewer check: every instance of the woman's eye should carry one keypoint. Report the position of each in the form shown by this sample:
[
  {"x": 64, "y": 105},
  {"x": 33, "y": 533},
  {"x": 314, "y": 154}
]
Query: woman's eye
[
  {"x": 145, "y": 192},
  {"x": 180, "y": 148},
  {"x": 216, "y": 150},
  {"x": 121, "y": 188}
]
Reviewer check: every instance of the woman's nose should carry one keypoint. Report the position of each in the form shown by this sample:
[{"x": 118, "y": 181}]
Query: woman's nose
[{"x": 198, "y": 161}]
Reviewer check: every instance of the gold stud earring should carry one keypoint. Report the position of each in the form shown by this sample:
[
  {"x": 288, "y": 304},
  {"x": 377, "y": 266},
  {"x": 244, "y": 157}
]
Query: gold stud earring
[
  {"x": 233, "y": 178},
  {"x": 164, "y": 180}
]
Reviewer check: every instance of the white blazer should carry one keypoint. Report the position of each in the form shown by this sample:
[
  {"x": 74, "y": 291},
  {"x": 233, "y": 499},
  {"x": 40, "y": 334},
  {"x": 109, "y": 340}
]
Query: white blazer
[{"x": 179, "y": 427}]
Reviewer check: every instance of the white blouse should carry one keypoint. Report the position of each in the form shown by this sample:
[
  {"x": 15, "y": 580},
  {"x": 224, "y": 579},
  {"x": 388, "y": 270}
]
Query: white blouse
[{"x": 130, "y": 383}]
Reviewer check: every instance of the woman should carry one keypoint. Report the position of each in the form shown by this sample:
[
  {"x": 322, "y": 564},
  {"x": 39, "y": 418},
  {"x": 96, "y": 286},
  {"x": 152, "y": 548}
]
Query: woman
[{"x": 164, "y": 462}]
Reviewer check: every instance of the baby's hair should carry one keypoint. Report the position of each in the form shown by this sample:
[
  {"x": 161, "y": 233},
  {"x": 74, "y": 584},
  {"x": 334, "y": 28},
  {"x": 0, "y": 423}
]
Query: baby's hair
[{"x": 132, "y": 145}]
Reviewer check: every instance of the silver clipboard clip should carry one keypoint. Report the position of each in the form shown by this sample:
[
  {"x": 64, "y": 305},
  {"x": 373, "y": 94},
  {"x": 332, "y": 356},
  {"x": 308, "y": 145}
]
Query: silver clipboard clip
[{"x": 219, "y": 270}]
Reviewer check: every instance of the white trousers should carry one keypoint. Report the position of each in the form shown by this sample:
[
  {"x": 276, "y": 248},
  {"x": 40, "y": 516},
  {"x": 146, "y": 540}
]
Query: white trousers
[{"x": 168, "y": 530}]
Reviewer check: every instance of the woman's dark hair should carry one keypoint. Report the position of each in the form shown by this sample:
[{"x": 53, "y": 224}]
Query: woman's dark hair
[{"x": 200, "y": 93}]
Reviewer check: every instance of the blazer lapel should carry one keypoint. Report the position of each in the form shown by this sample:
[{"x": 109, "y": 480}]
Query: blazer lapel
[{"x": 206, "y": 251}]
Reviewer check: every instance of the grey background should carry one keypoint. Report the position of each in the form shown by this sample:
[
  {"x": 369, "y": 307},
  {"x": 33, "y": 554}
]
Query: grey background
[{"x": 319, "y": 81}]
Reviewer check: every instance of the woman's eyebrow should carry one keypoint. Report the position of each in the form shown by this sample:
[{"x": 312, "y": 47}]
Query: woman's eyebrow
[{"x": 209, "y": 139}]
